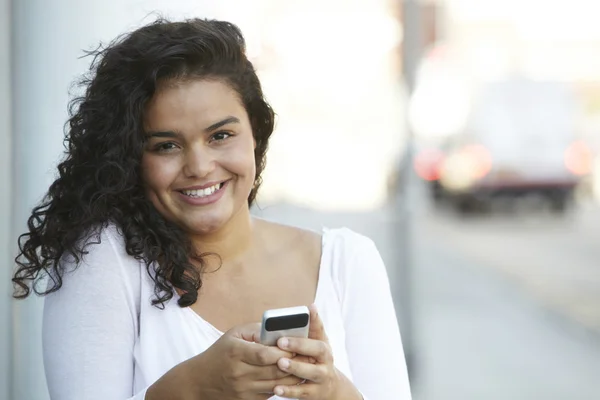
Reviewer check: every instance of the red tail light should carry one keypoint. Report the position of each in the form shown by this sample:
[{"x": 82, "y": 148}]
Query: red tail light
[
  {"x": 428, "y": 164},
  {"x": 579, "y": 158}
]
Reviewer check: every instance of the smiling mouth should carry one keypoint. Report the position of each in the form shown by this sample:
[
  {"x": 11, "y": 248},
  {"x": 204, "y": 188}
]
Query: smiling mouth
[{"x": 199, "y": 193}]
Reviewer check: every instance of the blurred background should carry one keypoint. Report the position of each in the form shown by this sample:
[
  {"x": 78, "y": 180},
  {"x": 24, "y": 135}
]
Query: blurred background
[{"x": 463, "y": 136}]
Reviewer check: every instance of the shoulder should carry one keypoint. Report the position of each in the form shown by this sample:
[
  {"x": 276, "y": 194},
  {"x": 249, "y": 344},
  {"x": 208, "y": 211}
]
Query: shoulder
[
  {"x": 101, "y": 240},
  {"x": 103, "y": 252},
  {"x": 103, "y": 274},
  {"x": 344, "y": 242},
  {"x": 292, "y": 238},
  {"x": 354, "y": 261}
]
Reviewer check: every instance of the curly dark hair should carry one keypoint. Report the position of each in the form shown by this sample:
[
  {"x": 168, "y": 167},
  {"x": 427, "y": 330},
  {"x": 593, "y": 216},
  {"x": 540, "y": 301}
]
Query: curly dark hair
[{"x": 99, "y": 180}]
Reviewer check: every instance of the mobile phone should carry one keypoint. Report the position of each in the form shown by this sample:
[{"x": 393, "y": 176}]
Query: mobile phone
[{"x": 284, "y": 322}]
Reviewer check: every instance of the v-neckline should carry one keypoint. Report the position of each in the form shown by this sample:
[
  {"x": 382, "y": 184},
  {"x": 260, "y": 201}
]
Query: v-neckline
[{"x": 219, "y": 333}]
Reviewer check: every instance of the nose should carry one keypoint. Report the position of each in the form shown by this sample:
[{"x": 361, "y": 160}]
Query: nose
[{"x": 199, "y": 162}]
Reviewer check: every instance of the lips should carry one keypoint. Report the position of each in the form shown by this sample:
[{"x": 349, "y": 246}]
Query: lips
[
  {"x": 207, "y": 191},
  {"x": 203, "y": 195}
]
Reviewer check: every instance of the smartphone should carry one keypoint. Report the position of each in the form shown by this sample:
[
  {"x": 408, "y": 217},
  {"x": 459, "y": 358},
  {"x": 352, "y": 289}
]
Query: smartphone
[{"x": 284, "y": 322}]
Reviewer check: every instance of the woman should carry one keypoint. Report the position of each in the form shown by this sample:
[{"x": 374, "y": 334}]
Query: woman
[{"x": 158, "y": 272}]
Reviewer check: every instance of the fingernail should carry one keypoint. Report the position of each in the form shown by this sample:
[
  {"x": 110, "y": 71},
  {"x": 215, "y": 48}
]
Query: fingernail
[
  {"x": 285, "y": 363},
  {"x": 278, "y": 391},
  {"x": 284, "y": 343}
]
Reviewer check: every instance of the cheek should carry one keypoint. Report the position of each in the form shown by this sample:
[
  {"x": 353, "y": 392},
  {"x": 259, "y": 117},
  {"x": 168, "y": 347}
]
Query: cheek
[
  {"x": 241, "y": 161},
  {"x": 249, "y": 165},
  {"x": 158, "y": 173}
]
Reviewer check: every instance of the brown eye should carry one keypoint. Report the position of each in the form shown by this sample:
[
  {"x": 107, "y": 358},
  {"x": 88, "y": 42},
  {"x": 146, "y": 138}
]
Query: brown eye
[
  {"x": 220, "y": 136},
  {"x": 165, "y": 147}
]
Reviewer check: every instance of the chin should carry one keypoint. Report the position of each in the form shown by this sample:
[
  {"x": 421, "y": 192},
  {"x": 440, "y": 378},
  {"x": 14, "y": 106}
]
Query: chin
[
  {"x": 205, "y": 225},
  {"x": 205, "y": 220}
]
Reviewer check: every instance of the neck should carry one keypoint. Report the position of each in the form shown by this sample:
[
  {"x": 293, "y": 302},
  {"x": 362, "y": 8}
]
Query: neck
[{"x": 231, "y": 241}]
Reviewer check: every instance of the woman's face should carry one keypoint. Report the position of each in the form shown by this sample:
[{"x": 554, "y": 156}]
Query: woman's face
[{"x": 198, "y": 164}]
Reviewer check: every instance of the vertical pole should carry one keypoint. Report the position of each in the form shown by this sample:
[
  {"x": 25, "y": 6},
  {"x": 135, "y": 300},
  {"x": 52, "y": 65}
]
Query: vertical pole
[{"x": 411, "y": 53}]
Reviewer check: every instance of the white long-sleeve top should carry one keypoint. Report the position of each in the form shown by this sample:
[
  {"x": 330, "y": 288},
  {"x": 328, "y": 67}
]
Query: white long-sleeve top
[{"x": 103, "y": 339}]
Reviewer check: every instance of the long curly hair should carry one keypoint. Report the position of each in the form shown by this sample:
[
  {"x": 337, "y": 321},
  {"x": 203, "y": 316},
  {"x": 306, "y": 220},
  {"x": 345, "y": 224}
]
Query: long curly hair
[{"x": 99, "y": 180}]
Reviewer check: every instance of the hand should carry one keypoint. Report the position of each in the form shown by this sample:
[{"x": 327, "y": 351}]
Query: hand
[
  {"x": 314, "y": 364},
  {"x": 238, "y": 367}
]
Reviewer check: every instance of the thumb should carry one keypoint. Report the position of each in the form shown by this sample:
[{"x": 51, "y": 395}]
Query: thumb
[
  {"x": 247, "y": 332},
  {"x": 317, "y": 329}
]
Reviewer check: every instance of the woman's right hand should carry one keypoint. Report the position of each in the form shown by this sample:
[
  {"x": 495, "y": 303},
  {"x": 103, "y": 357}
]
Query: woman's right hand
[{"x": 238, "y": 367}]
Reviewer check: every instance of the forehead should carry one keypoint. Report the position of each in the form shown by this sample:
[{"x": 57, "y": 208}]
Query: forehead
[{"x": 192, "y": 104}]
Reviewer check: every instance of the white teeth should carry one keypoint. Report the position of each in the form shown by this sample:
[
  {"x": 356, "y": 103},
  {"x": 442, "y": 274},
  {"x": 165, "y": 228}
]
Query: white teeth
[{"x": 202, "y": 192}]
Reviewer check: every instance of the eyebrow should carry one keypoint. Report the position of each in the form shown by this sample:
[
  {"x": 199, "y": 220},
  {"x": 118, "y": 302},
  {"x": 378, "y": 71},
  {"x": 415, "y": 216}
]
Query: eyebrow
[
  {"x": 175, "y": 134},
  {"x": 226, "y": 121},
  {"x": 163, "y": 134}
]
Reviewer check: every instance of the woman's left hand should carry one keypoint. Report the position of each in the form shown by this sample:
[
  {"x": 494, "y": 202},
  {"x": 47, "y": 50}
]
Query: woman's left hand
[{"x": 314, "y": 364}]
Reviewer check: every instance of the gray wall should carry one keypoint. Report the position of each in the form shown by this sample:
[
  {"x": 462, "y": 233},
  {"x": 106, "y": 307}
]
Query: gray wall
[{"x": 5, "y": 199}]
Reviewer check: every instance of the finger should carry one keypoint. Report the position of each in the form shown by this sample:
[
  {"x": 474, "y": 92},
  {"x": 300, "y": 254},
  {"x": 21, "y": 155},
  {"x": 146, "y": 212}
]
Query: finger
[
  {"x": 317, "y": 349},
  {"x": 312, "y": 372},
  {"x": 289, "y": 380},
  {"x": 316, "y": 329},
  {"x": 266, "y": 373},
  {"x": 268, "y": 385},
  {"x": 260, "y": 355},
  {"x": 305, "y": 359},
  {"x": 303, "y": 391},
  {"x": 248, "y": 332}
]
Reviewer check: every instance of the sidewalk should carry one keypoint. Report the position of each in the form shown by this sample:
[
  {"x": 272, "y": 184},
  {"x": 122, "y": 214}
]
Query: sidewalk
[{"x": 557, "y": 261}]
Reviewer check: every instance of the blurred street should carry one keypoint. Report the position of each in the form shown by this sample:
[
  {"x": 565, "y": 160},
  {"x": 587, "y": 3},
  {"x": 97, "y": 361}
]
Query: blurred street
[
  {"x": 471, "y": 94},
  {"x": 504, "y": 307}
]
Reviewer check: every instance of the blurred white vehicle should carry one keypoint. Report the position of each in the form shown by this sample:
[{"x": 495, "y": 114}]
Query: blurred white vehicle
[{"x": 519, "y": 140}]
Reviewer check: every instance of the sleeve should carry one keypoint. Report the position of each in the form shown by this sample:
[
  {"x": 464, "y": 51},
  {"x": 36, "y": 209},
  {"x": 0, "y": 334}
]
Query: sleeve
[
  {"x": 90, "y": 326},
  {"x": 373, "y": 341}
]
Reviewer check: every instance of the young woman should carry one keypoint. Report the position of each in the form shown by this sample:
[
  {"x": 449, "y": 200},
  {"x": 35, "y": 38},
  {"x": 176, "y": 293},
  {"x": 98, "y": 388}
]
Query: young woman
[{"x": 157, "y": 272}]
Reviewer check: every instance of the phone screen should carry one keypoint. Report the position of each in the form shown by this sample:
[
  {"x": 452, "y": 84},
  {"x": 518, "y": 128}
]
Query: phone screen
[{"x": 286, "y": 322}]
